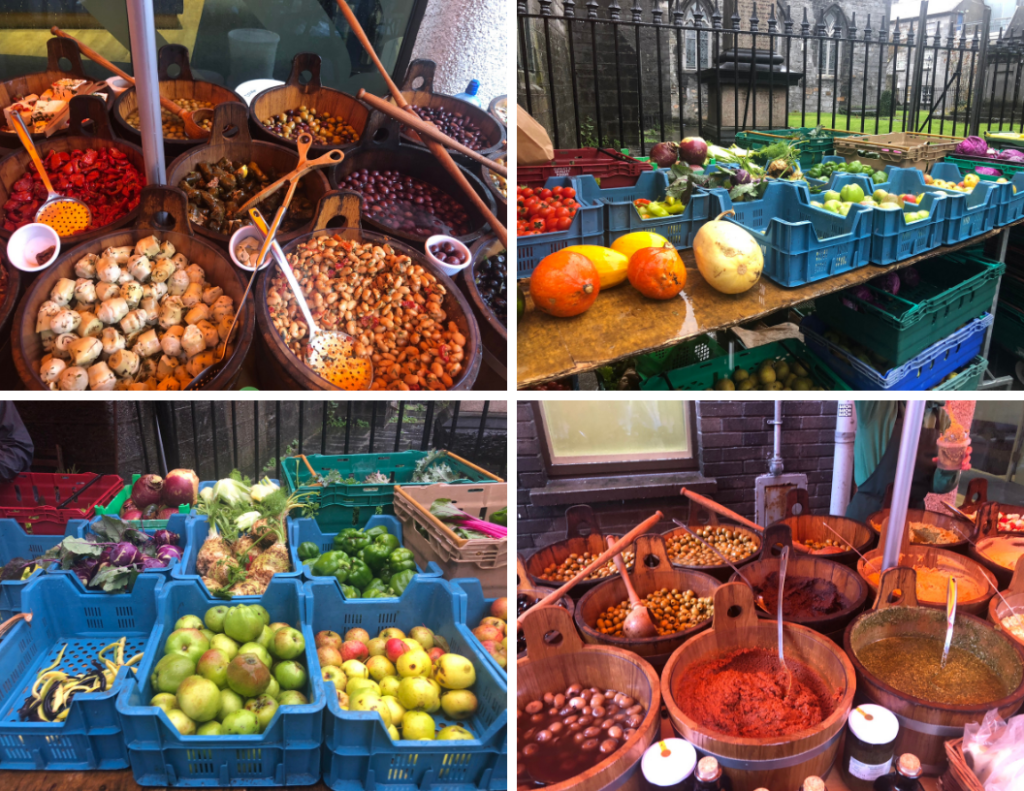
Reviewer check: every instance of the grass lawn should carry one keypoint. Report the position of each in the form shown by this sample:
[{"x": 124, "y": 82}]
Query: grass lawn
[{"x": 873, "y": 126}]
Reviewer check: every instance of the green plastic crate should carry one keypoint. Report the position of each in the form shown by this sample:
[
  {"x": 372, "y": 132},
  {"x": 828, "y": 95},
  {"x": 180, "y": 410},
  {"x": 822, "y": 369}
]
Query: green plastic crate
[
  {"x": 996, "y": 137},
  {"x": 1011, "y": 289},
  {"x": 1008, "y": 329},
  {"x": 954, "y": 289},
  {"x": 967, "y": 165},
  {"x": 703, "y": 375},
  {"x": 967, "y": 379},
  {"x": 812, "y": 149},
  {"x": 694, "y": 350},
  {"x": 113, "y": 508}
]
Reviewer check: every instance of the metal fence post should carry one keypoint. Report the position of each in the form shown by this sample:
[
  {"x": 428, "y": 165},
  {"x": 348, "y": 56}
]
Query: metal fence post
[
  {"x": 142, "y": 32},
  {"x": 982, "y": 67},
  {"x": 910, "y": 121}
]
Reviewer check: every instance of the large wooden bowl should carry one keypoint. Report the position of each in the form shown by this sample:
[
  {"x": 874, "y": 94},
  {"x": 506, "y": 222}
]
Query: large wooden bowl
[
  {"x": 499, "y": 102},
  {"x": 925, "y": 726},
  {"x": 560, "y": 659},
  {"x": 1011, "y": 602},
  {"x": 28, "y": 349},
  {"x": 294, "y": 94},
  {"x": 988, "y": 516},
  {"x": 720, "y": 571},
  {"x": 965, "y": 530},
  {"x": 183, "y": 86},
  {"x": 779, "y": 761},
  {"x": 292, "y": 372},
  {"x": 853, "y": 589},
  {"x": 418, "y": 89},
  {"x": 493, "y": 333},
  {"x": 17, "y": 164},
  {"x": 943, "y": 560},
  {"x": 37, "y": 82},
  {"x": 380, "y": 148},
  {"x": 652, "y": 572},
  {"x": 806, "y": 526},
  {"x": 236, "y": 144}
]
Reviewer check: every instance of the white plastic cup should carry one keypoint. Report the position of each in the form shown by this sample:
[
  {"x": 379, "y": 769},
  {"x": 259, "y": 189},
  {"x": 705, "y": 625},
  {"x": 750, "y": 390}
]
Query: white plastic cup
[
  {"x": 448, "y": 269},
  {"x": 29, "y": 241},
  {"x": 252, "y": 53},
  {"x": 249, "y": 232}
]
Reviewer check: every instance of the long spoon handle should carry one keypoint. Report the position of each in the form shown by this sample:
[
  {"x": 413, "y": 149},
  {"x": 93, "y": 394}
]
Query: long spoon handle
[{"x": 26, "y": 140}]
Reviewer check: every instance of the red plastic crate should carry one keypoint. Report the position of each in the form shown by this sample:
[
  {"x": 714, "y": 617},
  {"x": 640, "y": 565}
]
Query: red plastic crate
[
  {"x": 611, "y": 167},
  {"x": 31, "y": 499}
]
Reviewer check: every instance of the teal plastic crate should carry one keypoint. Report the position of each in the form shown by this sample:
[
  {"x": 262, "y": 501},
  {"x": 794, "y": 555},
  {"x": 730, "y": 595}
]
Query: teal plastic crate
[
  {"x": 967, "y": 378},
  {"x": 953, "y": 289},
  {"x": 64, "y": 620},
  {"x": 1008, "y": 329},
  {"x": 113, "y": 508},
  {"x": 702, "y": 376},
  {"x": 812, "y": 149},
  {"x": 694, "y": 350}
]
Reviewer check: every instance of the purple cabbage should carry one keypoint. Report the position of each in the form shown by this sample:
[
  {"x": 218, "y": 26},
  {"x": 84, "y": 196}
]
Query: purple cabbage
[
  {"x": 1011, "y": 155},
  {"x": 169, "y": 553},
  {"x": 164, "y": 537},
  {"x": 983, "y": 170},
  {"x": 910, "y": 277},
  {"x": 153, "y": 563},
  {"x": 972, "y": 146},
  {"x": 740, "y": 177},
  {"x": 889, "y": 282},
  {"x": 124, "y": 554}
]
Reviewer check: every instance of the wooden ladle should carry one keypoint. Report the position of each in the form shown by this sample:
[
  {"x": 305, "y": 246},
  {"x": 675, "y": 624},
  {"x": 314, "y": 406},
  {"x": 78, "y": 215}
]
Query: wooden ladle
[
  {"x": 638, "y": 623},
  {"x": 189, "y": 118}
]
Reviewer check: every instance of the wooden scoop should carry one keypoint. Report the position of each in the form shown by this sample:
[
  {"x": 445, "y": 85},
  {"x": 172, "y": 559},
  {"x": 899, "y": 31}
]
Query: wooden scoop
[
  {"x": 191, "y": 118},
  {"x": 605, "y": 556},
  {"x": 638, "y": 623},
  {"x": 721, "y": 510}
]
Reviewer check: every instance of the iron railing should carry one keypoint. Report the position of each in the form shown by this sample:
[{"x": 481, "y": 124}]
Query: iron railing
[
  {"x": 601, "y": 80},
  {"x": 215, "y": 437}
]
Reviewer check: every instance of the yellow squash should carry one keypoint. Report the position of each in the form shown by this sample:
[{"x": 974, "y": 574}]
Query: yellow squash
[{"x": 611, "y": 265}]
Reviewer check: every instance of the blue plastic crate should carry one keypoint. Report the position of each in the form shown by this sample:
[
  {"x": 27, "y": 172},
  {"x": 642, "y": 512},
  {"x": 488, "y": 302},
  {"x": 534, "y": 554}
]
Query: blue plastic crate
[
  {"x": 621, "y": 216},
  {"x": 364, "y": 754},
  {"x": 801, "y": 243},
  {"x": 306, "y": 529},
  {"x": 16, "y": 543},
  {"x": 286, "y": 753},
  {"x": 90, "y": 737},
  {"x": 475, "y": 606},
  {"x": 587, "y": 228},
  {"x": 923, "y": 372},
  {"x": 177, "y": 524},
  {"x": 971, "y": 213},
  {"x": 198, "y": 529}
]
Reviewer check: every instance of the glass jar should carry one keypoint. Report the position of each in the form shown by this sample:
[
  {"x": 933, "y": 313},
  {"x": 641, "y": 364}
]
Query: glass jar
[
  {"x": 870, "y": 743},
  {"x": 669, "y": 763}
]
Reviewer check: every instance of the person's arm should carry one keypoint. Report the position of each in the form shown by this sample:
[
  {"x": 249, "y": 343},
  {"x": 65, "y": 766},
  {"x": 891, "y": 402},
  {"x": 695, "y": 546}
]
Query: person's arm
[{"x": 16, "y": 448}]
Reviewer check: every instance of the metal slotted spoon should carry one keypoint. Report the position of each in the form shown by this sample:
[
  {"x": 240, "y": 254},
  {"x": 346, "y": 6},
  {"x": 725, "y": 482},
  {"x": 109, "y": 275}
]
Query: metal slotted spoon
[
  {"x": 328, "y": 352},
  {"x": 64, "y": 214}
]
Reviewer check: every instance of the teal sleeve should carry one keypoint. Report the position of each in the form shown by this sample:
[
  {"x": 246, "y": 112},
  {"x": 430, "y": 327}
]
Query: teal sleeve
[
  {"x": 875, "y": 421},
  {"x": 945, "y": 480}
]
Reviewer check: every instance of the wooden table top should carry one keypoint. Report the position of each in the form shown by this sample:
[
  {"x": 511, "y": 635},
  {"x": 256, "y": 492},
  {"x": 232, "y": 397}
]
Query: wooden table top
[{"x": 623, "y": 323}]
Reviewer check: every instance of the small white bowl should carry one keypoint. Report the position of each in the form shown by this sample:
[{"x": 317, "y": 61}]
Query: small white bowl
[
  {"x": 29, "y": 241},
  {"x": 247, "y": 232},
  {"x": 447, "y": 268}
]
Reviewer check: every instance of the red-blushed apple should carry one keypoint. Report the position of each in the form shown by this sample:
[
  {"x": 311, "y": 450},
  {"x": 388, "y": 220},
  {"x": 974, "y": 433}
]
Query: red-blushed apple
[
  {"x": 335, "y": 675},
  {"x": 199, "y": 698},
  {"x": 497, "y": 623},
  {"x": 353, "y": 649},
  {"x": 359, "y": 635},
  {"x": 499, "y": 608},
  {"x": 329, "y": 656},
  {"x": 394, "y": 648},
  {"x": 248, "y": 676},
  {"x": 391, "y": 632},
  {"x": 214, "y": 666},
  {"x": 486, "y": 632},
  {"x": 435, "y": 652},
  {"x": 328, "y": 637}
]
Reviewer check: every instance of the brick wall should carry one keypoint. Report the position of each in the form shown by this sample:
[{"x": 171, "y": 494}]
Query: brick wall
[{"x": 735, "y": 443}]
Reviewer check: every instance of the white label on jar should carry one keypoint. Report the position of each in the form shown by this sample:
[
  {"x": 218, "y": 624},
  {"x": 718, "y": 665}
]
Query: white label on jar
[{"x": 869, "y": 772}]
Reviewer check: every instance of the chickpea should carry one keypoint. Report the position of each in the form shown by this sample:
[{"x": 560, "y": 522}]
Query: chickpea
[{"x": 574, "y": 564}]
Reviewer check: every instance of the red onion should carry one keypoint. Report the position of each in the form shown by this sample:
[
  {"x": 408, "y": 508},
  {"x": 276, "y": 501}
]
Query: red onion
[
  {"x": 181, "y": 487},
  {"x": 693, "y": 150},
  {"x": 665, "y": 154},
  {"x": 166, "y": 512},
  {"x": 132, "y": 514},
  {"x": 146, "y": 490}
]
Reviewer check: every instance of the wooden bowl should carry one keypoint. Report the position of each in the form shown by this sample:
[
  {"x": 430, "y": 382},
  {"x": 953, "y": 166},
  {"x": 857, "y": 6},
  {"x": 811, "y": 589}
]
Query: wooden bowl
[
  {"x": 779, "y": 761},
  {"x": 294, "y": 372},
  {"x": 943, "y": 560},
  {"x": 964, "y": 529},
  {"x": 720, "y": 571},
  {"x": 988, "y": 517},
  {"x": 651, "y": 573},
  {"x": 294, "y": 94},
  {"x": 37, "y": 82},
  {"x": 924, "y": 725},
  {"x": 240, "y": 146},
  {"x": 493, "y": 333},
  {"x": 10, "y": 282},
  {"x": 985, "y": 548},
  {"x": 1012, "y": 599},
  {"x": 559, "y": 659},
  {"x": 26, "y": 344},
  {"x": 17, "y": 164},
  {"x": 535, "y": 595},
  {"x": 852, "y": 588},
  {"x": 499, "y": 102},
  {"x": 181, "y": 87},
  {"x": 489, "y": 177},
  {"x": 806, "y": 526},
  {"x": 418, "y": 89},
  {"x": 381, "y": 149}
]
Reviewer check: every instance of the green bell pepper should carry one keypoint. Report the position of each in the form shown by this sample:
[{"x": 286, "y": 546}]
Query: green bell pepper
[
  {"x": 307, "y": 549},
  {"x": 377, "y": 595},
  {"x": 335, "y": 564},
  {"x": 401, "y": 560},
  {"x": 359, "y": 575},
  {"x": 400, "y": 580},
  {"x": 376, "y": 530},
  {"x": 351, "y": 541},
  {"x": 350, "y": 592},
  {"x": 377, "y": 552},
  {"x": 374, "y": 585},
  {"x": 310, "y": 561}
]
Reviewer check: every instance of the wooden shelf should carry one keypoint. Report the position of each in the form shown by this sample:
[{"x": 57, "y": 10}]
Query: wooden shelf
[{"x": 623, "y": 323}]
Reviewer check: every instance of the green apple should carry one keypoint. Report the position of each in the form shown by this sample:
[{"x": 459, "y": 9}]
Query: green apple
[
  {"x": 844, "y": 209},
  {"x": 454, "y": 733},
  {"x": 214, "y": 618},
  {"x": 831, "y": 195},
  {"x": 389, "y": 685},
  {"x": 170, "y": 671},
  {"x": 879, "y": 195},
  {"x": 225, "y": 645},
  {"x": 165, "y": 701},
  {"x": 368, "y": 701},
  {"x": 187, "y": 642},
  {"x": 230, "y": 702},
  {"x": 189, "y": 622},
  {"x": 334, "y": 675},
  {"x": 852, "y": 193},
  {"x": 261, "y": 612},
  {"x": 380, "y": 667},
  {"x": 833, "y": 206},
  {"x": 199, "y": 698},
  {"x": 181, "y": 722},
  {"x": 391, "y": 633},
  {"x": 459, "y": 704},
  {"x": 290, "y": 674},
  {"x": 418, "y": 726},
  {"x": 240, "y": 723},
  {"x": 243, "y": 624},
  {"x": 266, "y": 637},
  {"x": 264, "y": 707},
  {"x": 288, "y": 643},
  {"x": 376, "y": 646},
  {"x": 353, "y": 668},
  {"x": 293, "y": 697},
  {"x": 412, "y": 663},
  {"x": 356, "y": 685},
  {"x": 212, "y": 728},
  {"x": 453, "y": 671},
  {"x": 416, "y": 692},
  {"x": 397, "y": 709},
  {"x": 273, "y": 688},
  {"x": 258, "y": 651},
  {"x": 209, "y": 635}
]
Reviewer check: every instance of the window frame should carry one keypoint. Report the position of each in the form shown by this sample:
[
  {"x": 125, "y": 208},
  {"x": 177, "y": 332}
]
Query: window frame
[
  {"x": 830, "y": 53},
  {"x": 691, "y": 36},
  {"x": 617, "y": 465}
]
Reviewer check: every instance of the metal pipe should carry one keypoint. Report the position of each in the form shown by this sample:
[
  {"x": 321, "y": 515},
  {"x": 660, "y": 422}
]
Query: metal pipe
[
  {"x": 142, "y": 31},
  {"x": 901, "y": 486},
  {"x": 775, "y": 466},
  {"x": 842, "y": 463}
]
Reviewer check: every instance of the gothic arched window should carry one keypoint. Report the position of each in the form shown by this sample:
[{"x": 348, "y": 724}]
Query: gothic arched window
[
  {"x": 690, "y": 40},
  {"x": 833, "y": 21}
]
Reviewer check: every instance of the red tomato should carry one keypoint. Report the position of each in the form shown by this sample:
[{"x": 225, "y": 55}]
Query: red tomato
[
  {"x": 564, "y": 223},
  {"x": 568, "y": 192},
  {"x": 544, "y": 194}
]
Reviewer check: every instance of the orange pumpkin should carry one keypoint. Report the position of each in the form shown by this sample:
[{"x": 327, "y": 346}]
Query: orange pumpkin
[
  {"x": 564, "y": 284},
  {"x": 657, "y": 272}
]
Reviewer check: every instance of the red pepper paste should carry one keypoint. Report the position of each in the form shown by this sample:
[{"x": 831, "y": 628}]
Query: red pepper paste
[{"x": 743, "y": 693}]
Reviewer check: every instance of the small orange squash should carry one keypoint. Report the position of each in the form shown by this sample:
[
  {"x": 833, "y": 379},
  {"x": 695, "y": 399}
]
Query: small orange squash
[
  {"x": 564, "y": 284},
  {"x": 657, "y": 272}
]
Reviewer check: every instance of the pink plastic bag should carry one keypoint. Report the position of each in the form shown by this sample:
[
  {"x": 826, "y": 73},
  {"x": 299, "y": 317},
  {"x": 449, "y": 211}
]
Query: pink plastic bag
[{"x": 995, "y": 752}]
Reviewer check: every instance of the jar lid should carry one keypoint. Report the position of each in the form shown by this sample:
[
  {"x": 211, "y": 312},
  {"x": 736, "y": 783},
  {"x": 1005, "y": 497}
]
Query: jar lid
[
  {"x": 873, "y": 724},
  {"x": 708, "y": 769},
  {"x": 668, "y": 762},
  {"x": 909, "y": 765}
]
